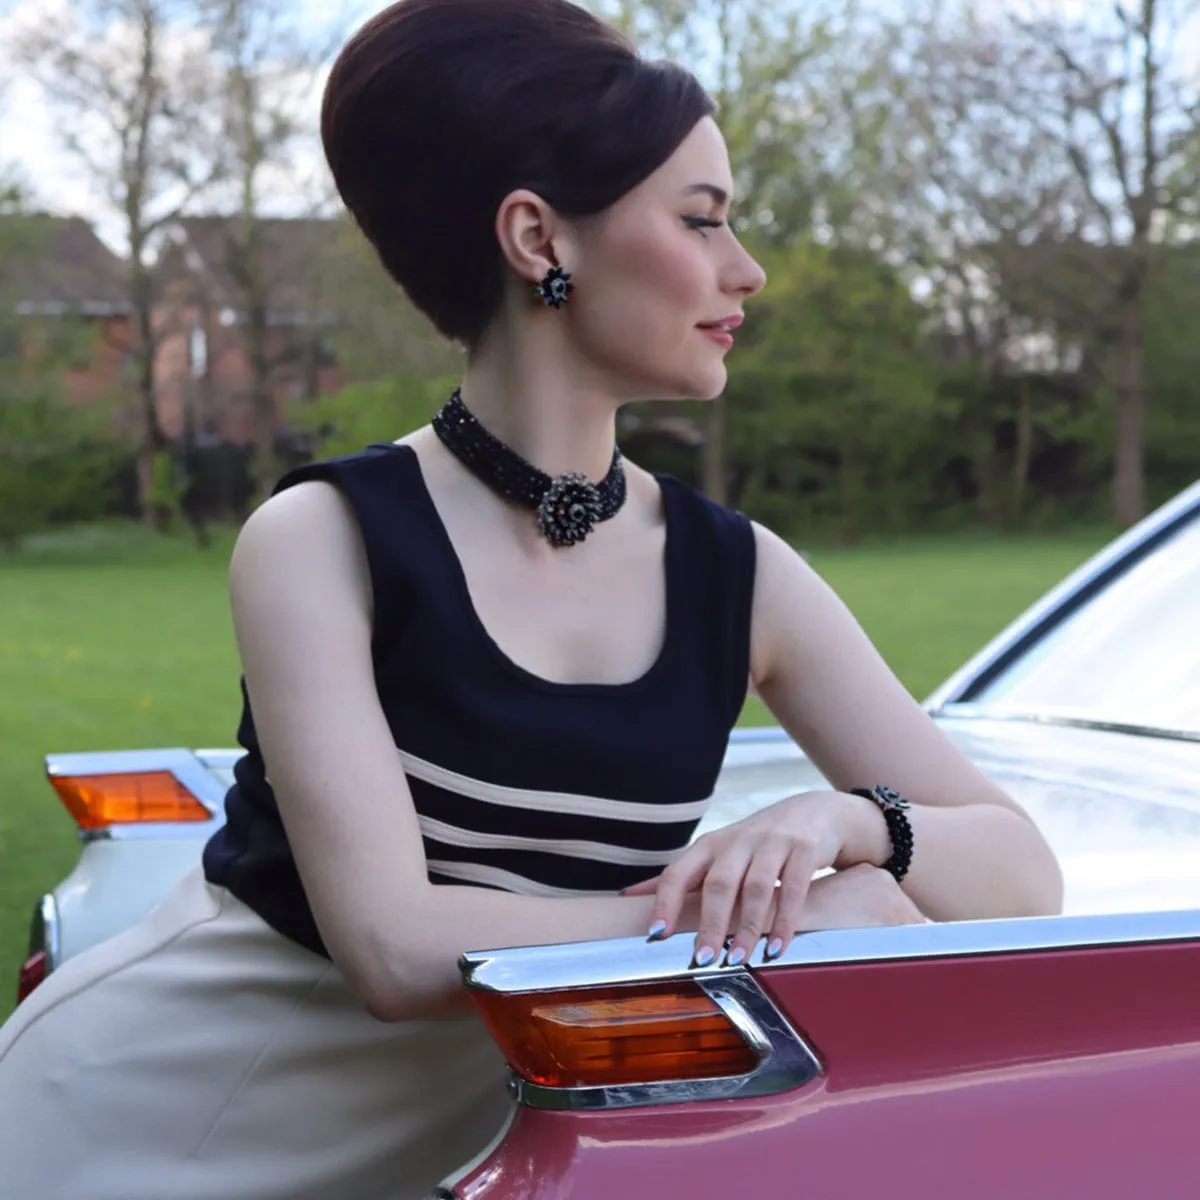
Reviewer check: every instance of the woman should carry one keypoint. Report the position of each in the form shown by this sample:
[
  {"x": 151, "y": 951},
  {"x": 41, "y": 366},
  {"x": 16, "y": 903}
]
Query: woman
[{"x": 491, "y": 669}]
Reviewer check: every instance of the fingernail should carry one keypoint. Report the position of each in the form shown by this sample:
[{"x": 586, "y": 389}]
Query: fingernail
[
  {"x": 774, "y": 946},
  {"x": 657, "y": 930},
  {"x": 736, "y": 957},
  {"x": 705, "y": 955}
]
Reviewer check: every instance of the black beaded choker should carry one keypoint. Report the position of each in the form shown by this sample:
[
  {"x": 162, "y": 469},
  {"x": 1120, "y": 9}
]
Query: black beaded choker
[{"x": 568, "y": 506}]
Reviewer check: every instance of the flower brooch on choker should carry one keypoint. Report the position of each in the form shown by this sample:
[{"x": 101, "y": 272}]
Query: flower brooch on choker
[
  {"x": 569, "y": 510},
  {"x": 568, "y": 506}
]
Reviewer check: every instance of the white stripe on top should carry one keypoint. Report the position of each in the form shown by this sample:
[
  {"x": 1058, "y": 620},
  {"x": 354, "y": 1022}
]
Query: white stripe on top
[
  {"x": 624, "y": 856},
  {"x": 507, "y": 881},
  {"x": 556, "y": 802}
]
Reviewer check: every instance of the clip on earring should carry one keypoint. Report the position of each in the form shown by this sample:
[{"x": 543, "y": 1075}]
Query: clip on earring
[{"x": 554, "y": 288}]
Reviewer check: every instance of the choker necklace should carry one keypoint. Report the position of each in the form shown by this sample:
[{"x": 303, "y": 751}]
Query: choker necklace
[{"x": 568, "y": 506}]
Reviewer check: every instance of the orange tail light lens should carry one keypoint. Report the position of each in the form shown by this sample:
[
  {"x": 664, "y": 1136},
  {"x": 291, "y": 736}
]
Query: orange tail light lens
[
  {"x": 598, "y": 1037},
  {"x": 96, "y": 801}
]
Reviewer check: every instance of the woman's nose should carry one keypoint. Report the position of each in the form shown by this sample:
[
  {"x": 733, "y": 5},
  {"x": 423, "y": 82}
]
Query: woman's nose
[{"x": 745, "y": 275}]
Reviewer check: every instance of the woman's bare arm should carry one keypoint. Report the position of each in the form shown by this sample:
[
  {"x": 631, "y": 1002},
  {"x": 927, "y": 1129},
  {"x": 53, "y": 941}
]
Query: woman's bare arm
[
  {"x": 977, "y": 853},
  {"x": 302, "y": 612}
]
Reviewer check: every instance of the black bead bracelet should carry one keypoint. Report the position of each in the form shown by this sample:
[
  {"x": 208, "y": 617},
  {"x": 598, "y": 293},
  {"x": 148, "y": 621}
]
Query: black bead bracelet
[{"x": 895, "y": 812}]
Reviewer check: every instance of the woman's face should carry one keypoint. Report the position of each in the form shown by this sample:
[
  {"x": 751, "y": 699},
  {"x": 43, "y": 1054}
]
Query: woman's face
[{"x": 659, "y": 273}]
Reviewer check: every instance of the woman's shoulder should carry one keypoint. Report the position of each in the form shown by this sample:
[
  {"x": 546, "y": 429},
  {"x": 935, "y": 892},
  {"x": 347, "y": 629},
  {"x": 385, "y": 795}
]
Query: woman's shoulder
[
  {"x": 355, "y": 489},
  {"x": 339, "y": 501},
  {"x": 301, "y": 542}
]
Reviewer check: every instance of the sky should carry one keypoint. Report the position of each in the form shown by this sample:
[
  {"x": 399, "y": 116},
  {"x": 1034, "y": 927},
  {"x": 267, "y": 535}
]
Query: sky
[{"x": 29, "y": 142}]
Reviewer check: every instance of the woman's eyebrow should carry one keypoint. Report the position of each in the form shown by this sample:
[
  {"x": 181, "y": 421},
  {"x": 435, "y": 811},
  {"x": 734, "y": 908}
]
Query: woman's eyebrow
[{"x": 719, "y": 194}]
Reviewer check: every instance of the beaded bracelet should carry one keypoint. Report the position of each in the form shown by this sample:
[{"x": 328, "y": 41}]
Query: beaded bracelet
[{"x": 895, "y": 812}]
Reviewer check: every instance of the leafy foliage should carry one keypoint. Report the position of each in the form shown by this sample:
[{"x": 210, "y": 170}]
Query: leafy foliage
[
  {"x": 382, "y": 410},
  {"x": 56, "y": 461},
  {"x": 832, "y": 394}
]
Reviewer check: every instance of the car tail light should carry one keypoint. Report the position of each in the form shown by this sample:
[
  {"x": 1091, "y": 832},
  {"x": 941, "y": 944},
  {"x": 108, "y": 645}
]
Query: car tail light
[
  {"x": 97, "y": 801},
  {"x": 601, "y": 1037},
  {"x": 601, "y": 1025},
  {"x": 33, "y": 972}
]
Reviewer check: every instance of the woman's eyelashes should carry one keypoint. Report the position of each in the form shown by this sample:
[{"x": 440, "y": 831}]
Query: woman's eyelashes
[{"x": 702, "y": 223}]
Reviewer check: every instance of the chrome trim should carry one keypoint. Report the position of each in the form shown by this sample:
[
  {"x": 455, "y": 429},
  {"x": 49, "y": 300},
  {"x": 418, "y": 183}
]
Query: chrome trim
[
  {"x": 634, "y": 960},
  {"x": 183, "y": 764},
  {"x": 1038, "y": 620},
  {"x": 45, "y": 931},
  {"x": 785, "y": 1060},
  {"x": 751, "y": 734},
  {"x": 1062, "y": 718},
  {"x": 51, "y": 932},
  {"x": 219, "y": 759},
  {"x": 152, "y": 831}
]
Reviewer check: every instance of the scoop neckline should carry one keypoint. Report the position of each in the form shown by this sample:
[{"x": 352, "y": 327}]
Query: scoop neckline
[{"x": 498, "y": 654}]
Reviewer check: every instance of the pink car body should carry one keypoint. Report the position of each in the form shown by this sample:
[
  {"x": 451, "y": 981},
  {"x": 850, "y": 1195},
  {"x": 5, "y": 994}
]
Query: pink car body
[{"x": 1055, "y": 1058}]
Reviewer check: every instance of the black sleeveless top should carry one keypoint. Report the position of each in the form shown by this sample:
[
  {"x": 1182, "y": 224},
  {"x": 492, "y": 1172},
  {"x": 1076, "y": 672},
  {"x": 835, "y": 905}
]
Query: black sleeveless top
[{"x": 520, "y": 783}]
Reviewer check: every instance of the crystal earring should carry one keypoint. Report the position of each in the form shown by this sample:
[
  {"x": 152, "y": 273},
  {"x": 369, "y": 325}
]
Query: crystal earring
[{"x": 554, "y": 288}]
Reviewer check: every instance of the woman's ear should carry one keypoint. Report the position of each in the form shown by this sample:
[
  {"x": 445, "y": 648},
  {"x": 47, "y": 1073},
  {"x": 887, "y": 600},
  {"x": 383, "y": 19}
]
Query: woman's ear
[{"x": 530, "y": 234}]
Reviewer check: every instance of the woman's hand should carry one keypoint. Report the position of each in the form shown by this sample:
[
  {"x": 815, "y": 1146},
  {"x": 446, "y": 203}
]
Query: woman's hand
[
  {"x": 856, "y": 898},
  {"x": 762, "y": 868}
]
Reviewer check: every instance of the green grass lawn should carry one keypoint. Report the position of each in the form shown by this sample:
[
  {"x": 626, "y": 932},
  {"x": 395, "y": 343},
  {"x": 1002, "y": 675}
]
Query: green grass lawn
[{"x": 111, "y": 638}]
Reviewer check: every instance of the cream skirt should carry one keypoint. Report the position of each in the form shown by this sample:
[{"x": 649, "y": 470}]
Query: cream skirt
[{"x": 203, "y": 1056}]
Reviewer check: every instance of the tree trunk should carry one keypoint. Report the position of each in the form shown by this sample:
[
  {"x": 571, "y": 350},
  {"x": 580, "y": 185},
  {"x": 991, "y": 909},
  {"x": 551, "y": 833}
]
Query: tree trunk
[
  {"x": 1023, "y": 452},
  {"x": 152, "y": 441},
  {"x": 715, "y": 474},
  {"x": 1129, "y": 466},
  {"x": 851, "y": 493},
  {"x": 265, "y": 467},
  {"x": 1129, "y": 484},
  {"x": 988, "y": 478}
]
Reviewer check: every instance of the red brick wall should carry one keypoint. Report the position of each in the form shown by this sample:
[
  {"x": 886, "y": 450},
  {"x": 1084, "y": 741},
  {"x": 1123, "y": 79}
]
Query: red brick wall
[
  {"x": 220, "y": 401},
  {"x": 109, "y": 340}
]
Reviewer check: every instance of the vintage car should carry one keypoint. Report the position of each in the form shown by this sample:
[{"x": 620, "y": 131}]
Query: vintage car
[{"x": 1043, "y": 1057}]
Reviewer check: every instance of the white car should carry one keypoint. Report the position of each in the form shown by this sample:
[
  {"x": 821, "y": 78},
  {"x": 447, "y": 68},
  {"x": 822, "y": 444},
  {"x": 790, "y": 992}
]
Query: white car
[{"x": 1086, "y": 709}]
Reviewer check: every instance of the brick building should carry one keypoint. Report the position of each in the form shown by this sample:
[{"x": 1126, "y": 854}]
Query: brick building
[
  {"x": 204, "y": 369},
  {"x": 64, "y": 297}
]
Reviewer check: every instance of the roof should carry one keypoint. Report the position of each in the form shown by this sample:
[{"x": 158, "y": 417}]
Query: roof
[
  {"x": 300, "y": 254},
  {"x": 58, "y": 264}
]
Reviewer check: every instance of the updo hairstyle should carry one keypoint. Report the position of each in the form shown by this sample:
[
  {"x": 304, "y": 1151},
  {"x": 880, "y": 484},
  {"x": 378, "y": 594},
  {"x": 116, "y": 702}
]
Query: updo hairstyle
[{"x": 437, "y": 109}]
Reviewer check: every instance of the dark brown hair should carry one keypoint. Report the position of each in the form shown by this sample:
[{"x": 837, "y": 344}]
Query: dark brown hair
[{"x": 437, "y": 109}]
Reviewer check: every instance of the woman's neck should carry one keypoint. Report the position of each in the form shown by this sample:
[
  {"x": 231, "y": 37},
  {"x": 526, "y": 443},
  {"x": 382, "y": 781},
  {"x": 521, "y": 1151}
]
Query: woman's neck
[{"x": 543, "y": 410}]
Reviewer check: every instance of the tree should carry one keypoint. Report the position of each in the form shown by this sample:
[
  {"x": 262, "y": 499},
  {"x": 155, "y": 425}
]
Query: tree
[
  {"x": 1172, "y": 368},
  {"x": 267, "y": 65},
  {"x": 380, "y": 410},
  {"x": 1125, "y": 105},
  {"x": 833, "y": 396},
  {"x": 960, "y": 190},
  {"x": 54, "y": 460},
  {"x": 130, "y": 89}
]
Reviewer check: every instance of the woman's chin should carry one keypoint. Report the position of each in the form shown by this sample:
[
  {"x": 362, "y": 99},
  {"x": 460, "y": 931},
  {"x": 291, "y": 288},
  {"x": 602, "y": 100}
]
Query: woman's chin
[
  {"x": 711, "y": 385},
  {"x": 705, "y": 384},
  {"x": 692, "y": 383}
]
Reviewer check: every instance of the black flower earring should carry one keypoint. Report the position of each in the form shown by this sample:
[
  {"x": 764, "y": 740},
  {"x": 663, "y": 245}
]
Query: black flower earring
[{"x": 554, "y": 288}]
